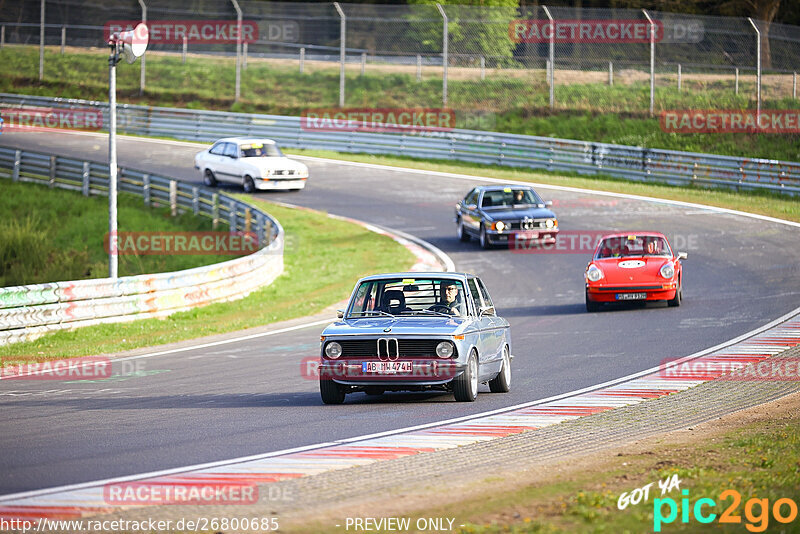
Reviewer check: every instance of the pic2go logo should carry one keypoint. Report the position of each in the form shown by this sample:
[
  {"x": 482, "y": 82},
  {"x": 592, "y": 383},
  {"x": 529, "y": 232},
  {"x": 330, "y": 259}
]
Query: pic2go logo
[{"x": 758, "y": 521}]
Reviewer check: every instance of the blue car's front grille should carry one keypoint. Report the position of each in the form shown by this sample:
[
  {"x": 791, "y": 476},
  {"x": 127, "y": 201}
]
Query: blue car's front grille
[{"x": 409, "y": 348}]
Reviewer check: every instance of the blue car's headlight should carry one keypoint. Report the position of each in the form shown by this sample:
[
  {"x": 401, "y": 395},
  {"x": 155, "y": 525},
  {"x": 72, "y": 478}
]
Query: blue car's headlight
[
  {"x": 333, "y": 350},
  {"x": 445, "y": 349}
]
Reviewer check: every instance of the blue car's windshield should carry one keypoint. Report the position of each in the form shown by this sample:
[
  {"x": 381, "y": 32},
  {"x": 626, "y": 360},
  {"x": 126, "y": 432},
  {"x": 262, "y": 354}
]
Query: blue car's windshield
[{"x": 408, "y": 296}]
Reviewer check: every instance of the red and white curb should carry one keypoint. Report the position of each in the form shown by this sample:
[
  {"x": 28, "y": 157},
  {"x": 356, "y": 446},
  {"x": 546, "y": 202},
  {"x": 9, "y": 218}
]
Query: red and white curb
[{"x": 89, "y": 498}]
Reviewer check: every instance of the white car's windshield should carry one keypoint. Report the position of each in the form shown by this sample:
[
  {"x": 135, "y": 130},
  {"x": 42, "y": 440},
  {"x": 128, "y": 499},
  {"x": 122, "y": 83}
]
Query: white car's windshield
[
  {"x": 260, "y": 150},
  {"x": 408, "y": 296}
]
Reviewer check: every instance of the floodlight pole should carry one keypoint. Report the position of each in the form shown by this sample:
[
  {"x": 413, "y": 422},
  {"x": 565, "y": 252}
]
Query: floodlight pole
[
  {"x": 238, "y": 50},
  {"x": 445, "y": 46},
  {"x": 342, "y": 50},
  {"x": 551, "y": 77},
  {"x": 758, "y": 70},
  {"x": 41, "y": 42},
  {"x": 652, "y": 62},
  {"x": 142, "y": 71},
  {"x": 113, "y": 59}
]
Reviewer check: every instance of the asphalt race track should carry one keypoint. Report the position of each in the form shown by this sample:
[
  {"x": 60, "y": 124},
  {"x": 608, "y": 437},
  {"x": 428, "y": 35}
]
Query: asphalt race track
[{"x": 249, "y": 397}]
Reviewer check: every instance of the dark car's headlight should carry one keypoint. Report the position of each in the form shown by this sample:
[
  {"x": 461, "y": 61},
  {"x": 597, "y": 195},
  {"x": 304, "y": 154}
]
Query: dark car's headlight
[
  {"x": 445, "y": 349},
  {"x": 550, "y": 223},
  {"x": 333, "y": 350}
]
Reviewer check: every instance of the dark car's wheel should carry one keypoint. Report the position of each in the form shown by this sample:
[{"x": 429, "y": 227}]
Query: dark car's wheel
[
  {"x": 676, "y": 301},
  {"x": 484, "y": 239},
  {"x": 209, "y": 179},
  {"x": 590, "y": 305},
  {"x": 465, "y": 386},
  {"x": 248, "y": 185},
  {"x": 331, "y": 392},
  {"x": 502, "y": 382},
  {"x": 462, "y": 232}
]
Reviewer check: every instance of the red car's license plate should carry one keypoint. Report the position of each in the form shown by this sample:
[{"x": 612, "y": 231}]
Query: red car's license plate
[
  {"x": 387, "y": 368},
  {"x": 631, "y": 296}
]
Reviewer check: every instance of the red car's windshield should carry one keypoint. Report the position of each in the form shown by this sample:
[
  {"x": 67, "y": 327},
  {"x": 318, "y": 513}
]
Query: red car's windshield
[{"x": 632, "y": 245}]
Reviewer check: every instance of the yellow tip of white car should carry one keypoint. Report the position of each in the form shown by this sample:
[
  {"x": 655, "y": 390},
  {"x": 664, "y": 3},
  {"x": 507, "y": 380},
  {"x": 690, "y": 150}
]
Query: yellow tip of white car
[{"x": 255, "y": 163}]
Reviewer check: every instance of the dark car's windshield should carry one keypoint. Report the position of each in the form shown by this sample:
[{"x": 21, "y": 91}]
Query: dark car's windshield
[
  {"x": 424, "y": 296},
  {"x": 633, "y": 245},
  {"x": 510, "y": 197},
  {"x": 260, "y": 150}
]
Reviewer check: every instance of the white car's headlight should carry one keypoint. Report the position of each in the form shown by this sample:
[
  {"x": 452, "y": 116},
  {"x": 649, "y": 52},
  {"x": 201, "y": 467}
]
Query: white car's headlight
[
  {"x": 333, "y": 350},
  {"x": 445, "y": 349},
  {"x": 667, "y": 271},
  {"x": 593, "y": 274}
]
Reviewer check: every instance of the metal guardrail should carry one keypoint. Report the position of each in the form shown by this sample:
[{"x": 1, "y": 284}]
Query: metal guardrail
[
  {"x": 27, "y": 312},
  {"x": 564, "y": 155}
]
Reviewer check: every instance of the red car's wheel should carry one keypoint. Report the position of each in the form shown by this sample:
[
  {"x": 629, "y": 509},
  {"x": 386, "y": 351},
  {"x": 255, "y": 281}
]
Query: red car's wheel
[{"x": 676, "y": 301}]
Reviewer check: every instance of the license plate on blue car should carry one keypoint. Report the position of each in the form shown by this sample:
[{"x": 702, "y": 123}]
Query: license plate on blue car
[{"x": 387, "y": 368}]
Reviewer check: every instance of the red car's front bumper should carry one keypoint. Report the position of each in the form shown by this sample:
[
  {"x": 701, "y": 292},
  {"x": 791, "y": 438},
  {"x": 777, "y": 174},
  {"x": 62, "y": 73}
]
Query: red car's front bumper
[{"x": 625, "y": 293}]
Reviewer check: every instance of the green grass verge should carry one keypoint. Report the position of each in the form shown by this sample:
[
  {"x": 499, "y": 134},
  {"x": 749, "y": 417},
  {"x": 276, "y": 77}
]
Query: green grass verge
[
  {"x": 517, "y": 103},
  {"x": 323, "y": 259},
  {"x": 49, "y": 235},
  {"x": 758, "y": 460},
  {"x": 763, "y": 203}
]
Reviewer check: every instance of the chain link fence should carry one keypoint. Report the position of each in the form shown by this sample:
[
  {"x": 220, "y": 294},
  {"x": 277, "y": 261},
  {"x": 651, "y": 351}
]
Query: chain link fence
[{"x": 489, "y": 61}]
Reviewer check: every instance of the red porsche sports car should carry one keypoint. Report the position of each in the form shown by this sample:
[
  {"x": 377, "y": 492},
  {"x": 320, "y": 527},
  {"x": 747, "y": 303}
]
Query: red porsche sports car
[{"x": 633, "y": 267}]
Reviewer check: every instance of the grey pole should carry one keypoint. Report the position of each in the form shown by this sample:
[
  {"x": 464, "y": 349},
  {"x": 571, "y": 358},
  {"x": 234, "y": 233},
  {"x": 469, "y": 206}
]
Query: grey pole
[
  {"x": 552, "y": 55},
  {"x": 63, "y": 38},
  {"x": 445, "y": 59},
  {"x": 483, "y": 68},
  {"x": 184, "y": 49},
  {"x": 302, "y": 58},
  {"x": 758, "y": 69},
  {"x": 342, "y": 50},
  {"x": 238, "y": 50},
  {"x": 41, "y": 42},
  {"x": 112, "y": 163},
  {"x": 679, "y": 76},
  {"x": 2, "y": 36},
  {"x": 736, "y": 81},
  {"x": 610, "y": 73},
  {"x": 652, "y": 62},
  {"x": 244, "y": 56},
  {"x": 794, "y": 85},
  {"x": 363, "y": 63},
  {"x": 419, "y": 67},
  {"x": 141, "y": 67}
]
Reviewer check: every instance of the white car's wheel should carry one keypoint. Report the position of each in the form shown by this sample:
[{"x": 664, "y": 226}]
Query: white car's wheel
[
  {"x": 248, "y": 185},
  {"x": 209, "y": 179}
]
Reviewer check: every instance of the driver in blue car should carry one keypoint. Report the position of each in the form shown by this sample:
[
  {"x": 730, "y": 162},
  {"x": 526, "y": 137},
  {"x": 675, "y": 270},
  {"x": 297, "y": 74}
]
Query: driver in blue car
[{"x": 452, "y": 299}]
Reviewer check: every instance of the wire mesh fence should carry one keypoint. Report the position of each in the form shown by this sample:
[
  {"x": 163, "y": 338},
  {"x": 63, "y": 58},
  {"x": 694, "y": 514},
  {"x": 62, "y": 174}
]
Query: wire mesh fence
[{"x": 489, "y": 61}]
